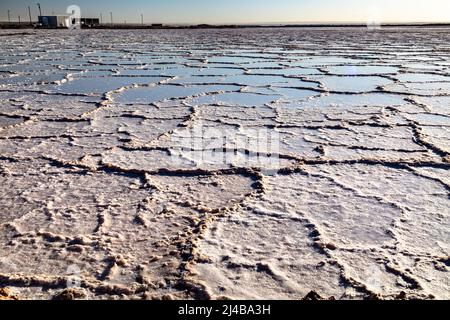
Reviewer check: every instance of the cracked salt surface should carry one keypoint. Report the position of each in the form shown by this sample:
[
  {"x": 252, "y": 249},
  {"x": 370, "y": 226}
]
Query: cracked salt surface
[{"x": 225, "y": 163}]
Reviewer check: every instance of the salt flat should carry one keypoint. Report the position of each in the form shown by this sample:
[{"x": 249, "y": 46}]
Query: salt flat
[{"x": 209, "y": 164}]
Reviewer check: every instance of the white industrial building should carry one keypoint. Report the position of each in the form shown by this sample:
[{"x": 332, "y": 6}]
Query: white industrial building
[{"x": 58, "y": 21}]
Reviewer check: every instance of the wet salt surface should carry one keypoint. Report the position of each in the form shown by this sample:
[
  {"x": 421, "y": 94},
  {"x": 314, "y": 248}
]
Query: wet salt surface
[{"x": 132, "y": 162}]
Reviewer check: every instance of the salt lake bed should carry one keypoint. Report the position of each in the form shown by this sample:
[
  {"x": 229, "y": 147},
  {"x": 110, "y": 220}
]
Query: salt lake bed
[{"x": 215, "y": 164}]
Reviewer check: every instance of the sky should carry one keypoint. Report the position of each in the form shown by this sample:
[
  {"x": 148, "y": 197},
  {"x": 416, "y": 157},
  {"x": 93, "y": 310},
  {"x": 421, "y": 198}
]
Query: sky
[{"x": 239, "y": 11}]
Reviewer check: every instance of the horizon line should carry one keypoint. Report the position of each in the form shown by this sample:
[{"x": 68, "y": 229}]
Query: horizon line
[{"x": 307, "y": 23}]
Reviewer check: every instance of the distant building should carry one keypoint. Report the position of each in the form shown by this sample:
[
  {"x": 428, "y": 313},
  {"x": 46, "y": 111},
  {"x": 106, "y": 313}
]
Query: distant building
[
  {"x": 63, "y": 21},
  {"x": 89, "y": 22},
  {"x": 59, "y": 21}
]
